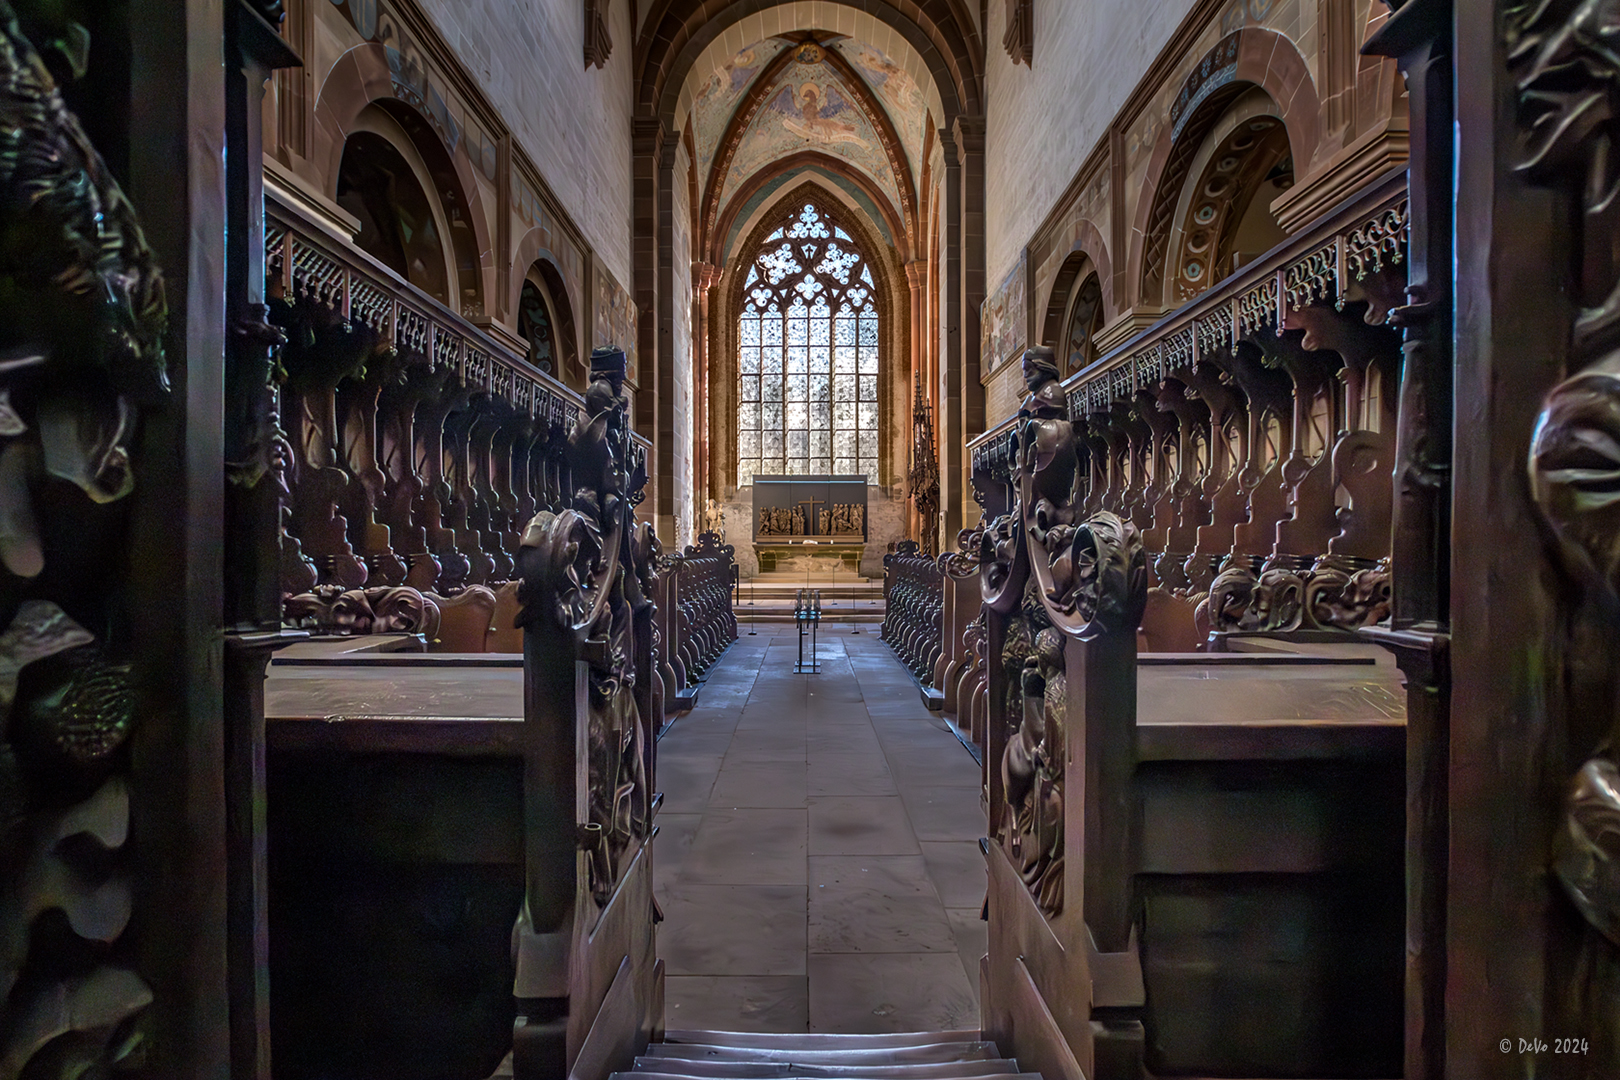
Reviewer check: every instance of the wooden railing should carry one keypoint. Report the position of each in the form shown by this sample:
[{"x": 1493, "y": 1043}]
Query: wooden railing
[
  {"x": 1225, "y": 473},
  {"x": 912, "y": 610},
  {"x": 696, "y": 618},
  {"x": 414, "y": 447}
]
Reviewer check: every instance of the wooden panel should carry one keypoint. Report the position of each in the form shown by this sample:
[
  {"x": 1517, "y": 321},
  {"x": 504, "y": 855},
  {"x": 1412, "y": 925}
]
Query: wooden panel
[
  {"x": 621, "y": 938},
  {"x": 611, "y": 1045}
]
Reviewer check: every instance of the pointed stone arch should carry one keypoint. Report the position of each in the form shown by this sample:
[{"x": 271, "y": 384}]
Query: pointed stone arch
[
  {"x": 894, "y": 364},
  {"x": 675, "y": 32},
  {"x": 903, "y": 225}
]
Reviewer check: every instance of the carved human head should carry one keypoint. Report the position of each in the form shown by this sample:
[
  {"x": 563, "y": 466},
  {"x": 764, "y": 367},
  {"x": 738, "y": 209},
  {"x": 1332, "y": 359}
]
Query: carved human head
[
  {"x": 1574, "y": 467},
  {"x": 1040, "y": 366}
]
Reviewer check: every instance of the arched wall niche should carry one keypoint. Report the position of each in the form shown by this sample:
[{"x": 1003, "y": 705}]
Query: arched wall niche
[
  {"x": 1223, "y": 211},
  {"x": 894, "y": 363},
  {"x": 359, "y": 85},
  {"x": 383, "y": 181},
  {"x": 1265, "y": 60},
  {"x": 530, "y": 255},
  {"x": 546, "y": 278},
  {"x": 1088, "y": 248},
  {"x": 1075, "y": 313}
]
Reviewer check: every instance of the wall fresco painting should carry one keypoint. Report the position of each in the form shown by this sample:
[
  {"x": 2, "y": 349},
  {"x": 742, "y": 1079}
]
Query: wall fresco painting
[
  {"x": 716, "y": 100},
  {"x": 1004, "y": 318},
  {"x": 615, "y": 318}
]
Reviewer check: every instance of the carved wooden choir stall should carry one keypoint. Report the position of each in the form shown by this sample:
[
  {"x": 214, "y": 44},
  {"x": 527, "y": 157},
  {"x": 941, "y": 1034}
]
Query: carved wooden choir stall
[{"x": 1216, "y": 493}]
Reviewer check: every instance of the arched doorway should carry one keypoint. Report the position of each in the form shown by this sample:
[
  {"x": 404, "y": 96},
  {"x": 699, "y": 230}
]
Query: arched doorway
[{"x": 809, "y": 352}]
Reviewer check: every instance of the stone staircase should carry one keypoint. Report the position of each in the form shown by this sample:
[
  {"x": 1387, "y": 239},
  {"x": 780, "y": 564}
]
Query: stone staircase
[
  {"x": 845, "y": 598},
  {"x": 732, "y": 1055}
]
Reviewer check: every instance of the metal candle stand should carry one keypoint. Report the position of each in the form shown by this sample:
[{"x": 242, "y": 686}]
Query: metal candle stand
[{"x": 807, "y": 616}]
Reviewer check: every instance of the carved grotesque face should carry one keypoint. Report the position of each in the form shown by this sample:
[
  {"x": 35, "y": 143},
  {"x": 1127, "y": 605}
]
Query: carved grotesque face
[{"x": 1575, "y": 472}]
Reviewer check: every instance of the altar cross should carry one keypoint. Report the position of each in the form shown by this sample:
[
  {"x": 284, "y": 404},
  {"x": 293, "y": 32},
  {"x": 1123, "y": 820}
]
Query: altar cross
[{"x": 810, "y": 514}]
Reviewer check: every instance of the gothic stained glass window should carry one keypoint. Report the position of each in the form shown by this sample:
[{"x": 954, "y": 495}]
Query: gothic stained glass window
[{"x": 807, "y": 355}]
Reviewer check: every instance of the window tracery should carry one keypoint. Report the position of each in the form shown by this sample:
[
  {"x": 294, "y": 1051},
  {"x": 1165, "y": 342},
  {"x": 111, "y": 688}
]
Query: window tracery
[{"x": 807, "y": 359}]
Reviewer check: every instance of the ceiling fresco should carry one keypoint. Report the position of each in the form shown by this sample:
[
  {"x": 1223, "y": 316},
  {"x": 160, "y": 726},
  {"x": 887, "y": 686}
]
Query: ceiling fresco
[
  {"x": 902, "y": 98},
  {"x": 809, "y": 106},
  {"x": 716, "y": 100}
]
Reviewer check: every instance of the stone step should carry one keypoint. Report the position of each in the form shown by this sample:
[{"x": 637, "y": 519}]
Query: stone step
[
  {"x": 928, "y": 1054},
  {"x": 755, "y": 1070},
  {"x": 810, "y": 1072},
  {"x": 798, "y": 1040}
]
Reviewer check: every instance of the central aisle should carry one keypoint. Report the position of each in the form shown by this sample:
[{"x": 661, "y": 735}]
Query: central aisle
[{"x": 817, "y": 860}]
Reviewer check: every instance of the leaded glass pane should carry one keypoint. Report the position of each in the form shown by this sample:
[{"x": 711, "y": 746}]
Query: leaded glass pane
[{"x": 808, "y": 344}]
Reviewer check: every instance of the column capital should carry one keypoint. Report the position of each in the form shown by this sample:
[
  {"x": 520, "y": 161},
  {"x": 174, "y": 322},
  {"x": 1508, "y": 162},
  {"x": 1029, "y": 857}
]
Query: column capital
[
  {"x": 916, "y": 274},
  {"x": 967, "y": 133},
  {"x": 649, "y": 137},
  {"x": 704, "y": 276}
]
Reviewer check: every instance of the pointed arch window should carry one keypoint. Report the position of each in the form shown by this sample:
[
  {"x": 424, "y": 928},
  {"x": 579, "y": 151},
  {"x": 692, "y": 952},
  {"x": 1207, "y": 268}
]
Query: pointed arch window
[{"x": 807, "y": 354}]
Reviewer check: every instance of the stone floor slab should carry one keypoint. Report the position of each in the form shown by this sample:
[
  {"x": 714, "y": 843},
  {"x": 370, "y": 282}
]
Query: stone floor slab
[
  {"x": 737, "y": 1003},
  {"x": 857, "y": 993},
  {"x": 733, "y": 930},
  {"x": 851, "y": 825},
  {"x": 748, "y": 847},
  {"x": 943, "y": 813},
  {"x": 875, "y": 903}
]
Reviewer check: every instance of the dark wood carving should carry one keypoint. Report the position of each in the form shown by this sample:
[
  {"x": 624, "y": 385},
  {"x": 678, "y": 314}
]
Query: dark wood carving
[{"x": 84, "y": 316}]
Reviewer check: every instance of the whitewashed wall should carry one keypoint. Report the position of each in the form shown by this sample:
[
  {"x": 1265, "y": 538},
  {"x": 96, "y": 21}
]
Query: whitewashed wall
[
  {"x": 572, "y": 121},
  {"x": 1043, "y": 120}
]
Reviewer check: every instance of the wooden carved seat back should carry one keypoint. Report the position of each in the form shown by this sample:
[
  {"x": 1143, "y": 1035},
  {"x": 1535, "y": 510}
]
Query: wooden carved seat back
[
  {"x": 464, "y": 620},
  {"x": 503, "y": 635},
  {"x": 1168, "y": 623}
]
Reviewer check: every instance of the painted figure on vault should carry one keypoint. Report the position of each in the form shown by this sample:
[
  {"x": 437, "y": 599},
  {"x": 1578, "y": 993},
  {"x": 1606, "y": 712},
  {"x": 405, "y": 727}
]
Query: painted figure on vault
[{"x": 813, "y": 113}]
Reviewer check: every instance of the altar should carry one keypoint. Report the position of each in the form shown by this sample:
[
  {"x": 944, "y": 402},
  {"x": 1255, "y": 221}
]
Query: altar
[{"x": 812, "y": 524}]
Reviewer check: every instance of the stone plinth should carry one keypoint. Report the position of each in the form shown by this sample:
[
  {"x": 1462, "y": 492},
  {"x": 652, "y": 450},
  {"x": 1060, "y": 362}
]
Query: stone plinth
[{"x": 809, "y": 556}]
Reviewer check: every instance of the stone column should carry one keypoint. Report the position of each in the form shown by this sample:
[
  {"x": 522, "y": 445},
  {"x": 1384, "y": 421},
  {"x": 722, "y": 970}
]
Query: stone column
[
  {"x": 704, "y": 278},
  {"x": 649, "y": 244},
  {"x": 966, "y": 247}
]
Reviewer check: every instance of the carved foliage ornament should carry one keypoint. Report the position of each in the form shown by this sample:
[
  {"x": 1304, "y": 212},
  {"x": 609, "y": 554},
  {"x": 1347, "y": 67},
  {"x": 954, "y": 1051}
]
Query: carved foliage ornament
[
  {"x": 587, "y": 571},
  {"x": 1092, "y": 573},
  {"x": 82, "y": 318},
  {"x": 1561, "y": 55},
  {"x": 1575, "y": 480}
]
